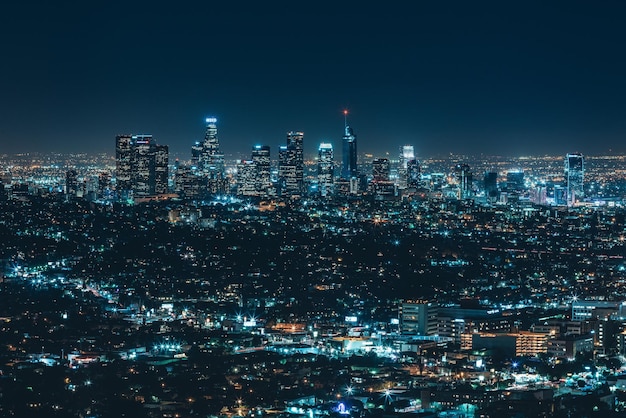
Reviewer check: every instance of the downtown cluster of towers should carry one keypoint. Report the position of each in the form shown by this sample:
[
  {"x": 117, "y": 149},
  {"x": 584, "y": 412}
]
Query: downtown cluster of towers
[{"x": 142, "y": 169}]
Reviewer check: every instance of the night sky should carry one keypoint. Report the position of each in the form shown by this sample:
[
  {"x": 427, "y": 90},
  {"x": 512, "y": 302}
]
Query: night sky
[{"x": 501, "y": 77}]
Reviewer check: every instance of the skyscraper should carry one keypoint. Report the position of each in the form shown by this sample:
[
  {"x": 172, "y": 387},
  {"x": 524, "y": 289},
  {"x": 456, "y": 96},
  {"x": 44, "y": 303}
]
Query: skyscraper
[
  {"x": 288, "y": 184},
  {"x": 291, "y": 165},
  {"x": 71, "y": 183},
  {"x": 124, "y": 165},
  {"x": 104, "y": 184},
  {"x": 247, "y": 178},
  {"x": 413, "y": 174},
  {"x": 141, "y": 166},
  {"x": 407, "y": 153},
  {"x": 349, "y": 167},
  {"x": 144, "y": 165},
  {"x": 380, "y": 169},
  {"x": 464, "y": 180},
  {"x": 261, "y": 159},
  {"x": 187, "y": 184},
  {"x": 295, "y": 140},
  {"x": 196, "y": 152},
  {"x": 325, "y": 169},
  {"x": 574, "y": 177},
  {"x": 161, "y": 171},
  {"x": 210, "y": 159},
  {"x": 515, "y": 181},
  {"x": 381, "y": 186},
  {"x": 490, "y": 184}
]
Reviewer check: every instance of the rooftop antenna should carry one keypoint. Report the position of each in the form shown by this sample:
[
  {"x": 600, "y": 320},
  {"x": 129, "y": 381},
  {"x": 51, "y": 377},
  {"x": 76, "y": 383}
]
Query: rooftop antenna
[{"x": 345, "y": 118}]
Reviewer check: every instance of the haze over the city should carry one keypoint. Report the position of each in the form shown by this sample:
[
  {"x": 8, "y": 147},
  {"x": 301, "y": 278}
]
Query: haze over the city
[{"x": 461, "y": 77}]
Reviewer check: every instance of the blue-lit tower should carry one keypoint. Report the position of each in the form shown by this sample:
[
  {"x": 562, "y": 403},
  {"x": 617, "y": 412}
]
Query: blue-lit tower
[
  {"x": 210, "y": 160},
  {"x": 349, "y": 152},
  {"x": 325, "y": 169},
  {"x": 262, "y": 162},
  {"x": 574, "y": 177}
]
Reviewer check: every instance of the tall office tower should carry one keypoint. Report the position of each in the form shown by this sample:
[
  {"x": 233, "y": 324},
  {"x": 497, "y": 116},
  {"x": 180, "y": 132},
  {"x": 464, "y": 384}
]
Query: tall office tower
[
  {"x": 381, "y": 169},
  {"x": 261, "y": 159},
  {"x": 90, "y": 187},
  {"x": 144, "y": 159},
  {"x": 515, "y": 181},
  {"x": 187, "y": 184},
  {"x": 161, "y": 170},
  {"x": 413, "y": 174},
  {"x": 349, "y": 167},
  {"x": 211, "y": 160},
  {"x": 490, "y": 184},
  {"x": 71, "y": 183},
  {"x": 381, "y": 186},
  {"x": 539, "y": 194},
  {"x": 136, "y": 164},
  {"x": 574, "y": 177},
  {"x": 325, "y": 169},
  {"x": 287, "y": 171},
  {"x": 464, "y": 179},
  {"x": 291, "y": 165},
  {"x": 296, "y": 141},
  {"x": 196, "y": 152},
  {"x": 407, "y": 153},
  {"x": 104, "y": 185},
  {"x": 247, "y": 178},
  {"x": 124, "y": 165}
]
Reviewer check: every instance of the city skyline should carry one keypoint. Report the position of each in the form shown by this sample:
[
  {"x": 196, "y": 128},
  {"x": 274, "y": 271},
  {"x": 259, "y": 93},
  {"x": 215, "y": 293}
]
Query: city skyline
[
  {"x": 475, "y": 295},
  {"x": 487, "y": 78}
]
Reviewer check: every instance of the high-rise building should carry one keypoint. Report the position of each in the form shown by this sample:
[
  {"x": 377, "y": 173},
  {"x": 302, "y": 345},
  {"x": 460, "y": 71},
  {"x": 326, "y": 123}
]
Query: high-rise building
[
  {"x": 325, "y": 169},
  {"x": 71, "y": 183},
  {"x": 247, "y": 172},
  {"x": 104, "y": 185},
  {"x": 161, "y": 170},
  {"x": 418, "y": 318},
  {"x": 187, "y": 184},
  {"x": 210, "y": 159},
  {"x": 141, "y": 166},
  {"x": 381, "y": 185},
  {"x": 262, "y": 161},
  {"x": 124, "y": 165},
  {"x": 90, "y": 187},
  {"x": 407, "y": 153},
  {"x": 291, "y": 165},
  {"x": 413, "y": 174},
  {"x": 464, "y": 180},
  {"x": 144, "y": 165},
  {"x": 515, "y": 181},
  {"x": 196, "y": 152},
  {"x": 574, "y": 177},
  {"x": 349, "y": 167},
  {"x": 295, "y": 140},
  {"x": 287, "y": 171},
  {"x": 490, "y": 184},
  {"x": 381, "y": 169}
]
